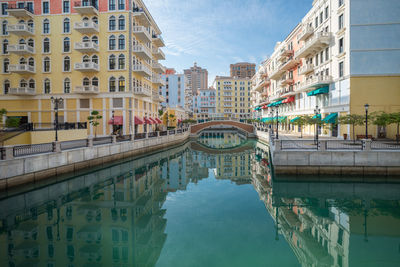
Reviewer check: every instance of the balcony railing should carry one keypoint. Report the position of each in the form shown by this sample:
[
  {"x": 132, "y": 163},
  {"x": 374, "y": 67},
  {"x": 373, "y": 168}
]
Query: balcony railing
[
  {"x": 314, "y": 82},
  {"x": 87, "y": 66},
  {"x": 15, "y": 10},
  {"x": 142, "y": 91},
  {"x": 305, "y": 69},
  {"x": 142, "y": 51},
  {"x": 158, "y": 53},
  {"x": 142, "y": 34},
  {"x": 86, "y": 27},
  {"x": 306, "y": 32},
  {"x": 86, "y": 47},
  {"x": 141, "y": 69},
  {"x": 22, "y": 91},
  {"x": 20, "y": 29},
  {"x": 313, "y": 44},
  {"x": 21, "y": 68},
  {"x": 289, "y": 64},
  {"x": 89, "y": 89},
  {"x": 141, "y": 16},
  {"x": 284, "y": 53},
  {"x": 158, "y": 67},
  {"x": 285, "y": 80},
  {"x": 21, "y": 49},
  {"x": 158, "y": 41},
  {"x": 158, "y": 81},
  {"x": 86, "y": 7},
  {"x": 157, "y": 97},
  {"x": 277, "y": 72}
]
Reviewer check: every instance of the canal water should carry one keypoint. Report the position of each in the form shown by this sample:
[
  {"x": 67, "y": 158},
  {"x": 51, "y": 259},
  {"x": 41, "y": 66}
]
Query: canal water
[{"x": 196, "y": 205}]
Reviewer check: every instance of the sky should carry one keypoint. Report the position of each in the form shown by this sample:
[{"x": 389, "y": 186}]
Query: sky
[{"x": 217, "y": 33}]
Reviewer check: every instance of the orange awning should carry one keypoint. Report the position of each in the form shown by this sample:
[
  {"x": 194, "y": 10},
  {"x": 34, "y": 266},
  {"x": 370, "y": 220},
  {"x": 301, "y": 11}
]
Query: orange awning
[
  {"x": 288, "y": 100},
  {"x": 116, "y": 120},
  {"x": 138, "y": 120}
]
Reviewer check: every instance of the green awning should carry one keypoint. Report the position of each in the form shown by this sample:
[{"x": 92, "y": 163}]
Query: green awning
[
  {"x": 295, "y": 119},
  {"x": 322, "y": 90},
  {"x": 275, "y": 103},
  {"x": 331, "y": 118},
  {"x": 281, "y": 119},
  {"x": 317, "y": 116}
]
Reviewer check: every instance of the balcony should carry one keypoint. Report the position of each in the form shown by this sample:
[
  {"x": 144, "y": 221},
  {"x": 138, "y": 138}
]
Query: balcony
[
  {"x": 286, "y": 80},
  {"x": 284, "y": 53},
  {"x": 306, "y": 69},
  {"x": 158, "y": 54},
  {"x": 158, "y": 81},
  {"x": 90, "y": 89},
  {"x": 142, "y": 91},
  {"x": 142, "y": 51},
  {"x": 157, "y": 67},
  {"x": 141, "y": 69},
  {"x": 277, "y": 73},
  {"x": 18, "y": 11},
  {"x": 142, "y": 34},
  {"x": 21, "y": 29},
  {"x": 306, "y": 32},
  {"x": 86, "y": 47},
  {"x": 21, "y": 49},
  {"x": 287, "y": 92},
  {"x": 21, "y": 68},
  {"x": 86, "y": 7},
  {"x": 87, "y": 67},
  {"x": 22, "y": 91},
  {"x": 264, "y": 82},
  {"x": 158, "y": 41},
  {"x": 141, "y": 16},
  {"x": 157, "y": 97},
  {"x": 313, "y": 44},
  {"x": 86, "y": 27},
  {"x": 314, "y": 82},
  {"x": 290, "y": 64}
]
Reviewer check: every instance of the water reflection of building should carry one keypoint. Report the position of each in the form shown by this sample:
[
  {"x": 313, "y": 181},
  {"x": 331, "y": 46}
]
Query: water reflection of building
[
  {"x": 222, "y": 138},
  {"x": 236, "y": 167}
]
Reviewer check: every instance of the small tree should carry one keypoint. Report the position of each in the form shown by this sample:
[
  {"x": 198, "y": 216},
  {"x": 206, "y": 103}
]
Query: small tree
[
  {"x": 380, "y": 119},
  {"x": 394, "y": 118},
  {"x": 301, "y": 122},
  {"x": 172, "y": 117},
  {"x": 12, "y": 122},
  {"x": 160, "y": 112},
  {"x": 94, "y": 120},
  {"x": 353, "y": 120},
  {"x": 3, "y": 112}
]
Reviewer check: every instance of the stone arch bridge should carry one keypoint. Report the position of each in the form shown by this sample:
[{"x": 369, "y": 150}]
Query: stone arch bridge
[{"x": 243, "y": 127}]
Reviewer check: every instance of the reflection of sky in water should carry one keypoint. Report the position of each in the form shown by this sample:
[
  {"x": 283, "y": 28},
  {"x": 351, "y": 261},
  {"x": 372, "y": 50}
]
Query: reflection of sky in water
[{"x": 227, "y": 140}]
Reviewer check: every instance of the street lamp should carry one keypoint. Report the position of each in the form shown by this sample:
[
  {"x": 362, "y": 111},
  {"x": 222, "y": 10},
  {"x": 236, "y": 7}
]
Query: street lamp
[
  {"x": 317, "y": 111},
  {"x": 56, "y": 101},
  {"x": 277, "y": 123},
  {"x": 366, "y": 106},
  {"x": 271, "y": 120},
  {"x": 112, "y": 120}
]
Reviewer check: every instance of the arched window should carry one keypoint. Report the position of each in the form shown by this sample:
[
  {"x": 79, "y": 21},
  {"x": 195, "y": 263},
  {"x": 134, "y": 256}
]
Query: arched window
[
  {"x": 111, "y": 43},
  {"x": 46, "y": 64},
  {"x": 22, "y": 61},
  {"x": 112, "y": 85},
  {"x": 66, "y": 45},
  {"x": 4, "y": 28},
  {"x": 95, "y": 39},
  {"x": 86, "y": 81},
  {"x": 6, "y": 63},
  {"x": 86, "y": 59},
  {"x": 121, "y": 62},
  {"x": 46, "y": 86},
  {"x": 46, "y": 45},
  {"x": 22, "y": 41},
  {"x": 121, "y": 84},
  {"x": 5, "y": 46},
  {"x": 95, "y": 59},
  {"x": 121, "y": 23},
  {"x": 31, "y": 42},
  {"x": 30, "y": 24},
  {"x": 121, "y": 42},
  {"x": 67, "y": 86},
  {"x": 95, "y": 20},
  {"x": 67, "y": 64},
  {"x": 6, "y": 86},
  {"x": 46, "y": 26},
  {"x": 112, "y": 62},
  {"x": 31, "y": 61},
  {"x": 85, "y": 19},
  {"x": 111, "y": 23},
  {"x": 95, "y": 81},
  {"x": 31, "y": 84},
  {"x": 23, "y": 83},
  {"x": 85, "y": 39},
  {"x": 66, "y": 26}
]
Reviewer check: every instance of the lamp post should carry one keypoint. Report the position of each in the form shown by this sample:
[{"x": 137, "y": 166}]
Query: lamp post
[
  {"x": 317, "y": 112},
  {"x": 272, "y": 121},
  {"x": 56, "y": 101},
  {"x": 277, "y": 123},
  {"x": 366, "y": 106},
  {"x": 112, "y": 120}
]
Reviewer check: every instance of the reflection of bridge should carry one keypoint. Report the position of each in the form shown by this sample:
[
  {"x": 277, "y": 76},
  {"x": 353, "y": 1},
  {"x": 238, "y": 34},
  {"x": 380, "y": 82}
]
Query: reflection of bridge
[
  {"x": 199, "y": 147},
  {"x": 247, "y": 128}
]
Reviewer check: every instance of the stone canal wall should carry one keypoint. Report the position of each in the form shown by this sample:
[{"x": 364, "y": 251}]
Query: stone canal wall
[{"x": 33, "y": 169}]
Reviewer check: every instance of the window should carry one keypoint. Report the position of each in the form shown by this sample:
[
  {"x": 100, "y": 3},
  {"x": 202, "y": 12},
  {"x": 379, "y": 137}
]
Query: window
[
  {"x": 67, "y": 86},
  {"x": 111, "y": 5},
  {"x": 66, "y": 7},
  {"x": 31, "y": 62},
  {"x": 29, "y": 7},
  {"x": 111, "y": 24},
  {"x": 85, "y": 59},
  {"x": 121, "y": 42},
  {"x": 95, "y": 39},
  {"x": 5, "y": 46},
  {"x": 23, "y": 83},
  {"x": 341, "y": 45},
  {"x": 47, "y": 86},
  {"x": 31, "y": 42},
  {"x": 4, "y": 7},
  {"x": 46, "y": 64},
  {"x": 31, "y": 84},
  {"x": 66, "y": 26},
  {"x": 121, "y": 23},
  {"x": 46, "y": 26},
  {"x": 112, "y": 62},
  {"x": 117, "y": 103},
  {"x": 95, "y": 59},
  {"x": 341, "y": 70},
  {"x": 6, "y": 86},
  {"x": 316, "y": 22},
  {"x": 46, "y": 7},
  {"x": 327, "y": 53},
  {"x": 66, "y": 45},
  {"x": 121, "y": 62},
  {"x": 341, "y": 2},
  {"x": 31, "y": 24},
  {"x": 316, "y": 60},
  {"x": 111, "y": 43},
  {"x": 121, "y": 84},
  {"x": 46, "y": 45},
  {"x": 4, "y": 28},
  {"x": 322, "y": 57},
  {"x": 67, "y": 64},
  {"x": 321, "y": 17},
  {"x": 86, "y": 82},
  {"x": 121, "y": 4},
  {"x": 83, "y": 103},
  {"x": 112, "y": 85},
  {"x": 95, "y": 81},
  {"x": 341, "y": 21},
  {"x": 326, "y": 12}
]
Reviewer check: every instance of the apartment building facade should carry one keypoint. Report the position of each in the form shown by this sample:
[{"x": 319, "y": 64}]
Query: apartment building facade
[
  {"x": 174, "y": 89},
  {"x": 95, "y": 55},
  {"x": 233, "y": 97},
  {"x": 335, "y": 59},
  {"x": 243, "y": 70},
  {"x": 204, "y": 104},
  {"x": 196, "y": 78}
]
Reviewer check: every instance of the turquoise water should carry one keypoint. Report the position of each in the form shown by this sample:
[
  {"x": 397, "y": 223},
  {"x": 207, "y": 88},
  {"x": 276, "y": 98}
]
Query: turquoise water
[{"x": 190, "y": 206}]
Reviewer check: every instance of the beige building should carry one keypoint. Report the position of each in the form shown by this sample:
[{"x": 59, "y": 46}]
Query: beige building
[
  {"x": 243, "y": 70},
  {"x": 196, "y": 78}
]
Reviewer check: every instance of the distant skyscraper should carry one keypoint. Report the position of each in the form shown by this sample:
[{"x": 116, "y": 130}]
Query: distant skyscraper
[
  {"x": 197, "y": 78},
  {"x": 174, "y": 89},
  {"x": 243, "y": 70}
]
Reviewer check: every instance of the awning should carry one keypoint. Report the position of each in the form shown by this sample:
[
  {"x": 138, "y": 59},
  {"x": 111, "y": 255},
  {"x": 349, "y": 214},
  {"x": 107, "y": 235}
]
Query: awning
[
  {"x": 117, "y": 120},
  {"x": 158, "y": 120},
  {"x": 138, "y": 120},
  {"x": 152, "y": 120},
  {"x": 264, "y": 107},
  {"x": 295, "y": 119},
  {"x": 317, "y": 116},
  {"x": 179, "y": 121},
  {"x": 288, "y": 100},
  {"x": 275, "y": 103},
  {"x": 281, "y": 119},
  {"x": 322, "y": 90},
  {"x": 147, "y": 121},
  {"x": 331, "y": 118}
]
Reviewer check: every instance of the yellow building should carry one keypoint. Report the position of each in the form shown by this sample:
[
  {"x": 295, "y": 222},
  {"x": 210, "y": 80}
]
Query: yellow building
[
  {"x": 172, "y": 117},
  {"x": 100, "y": 57},
  {"x": 233, "y": 97}
]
